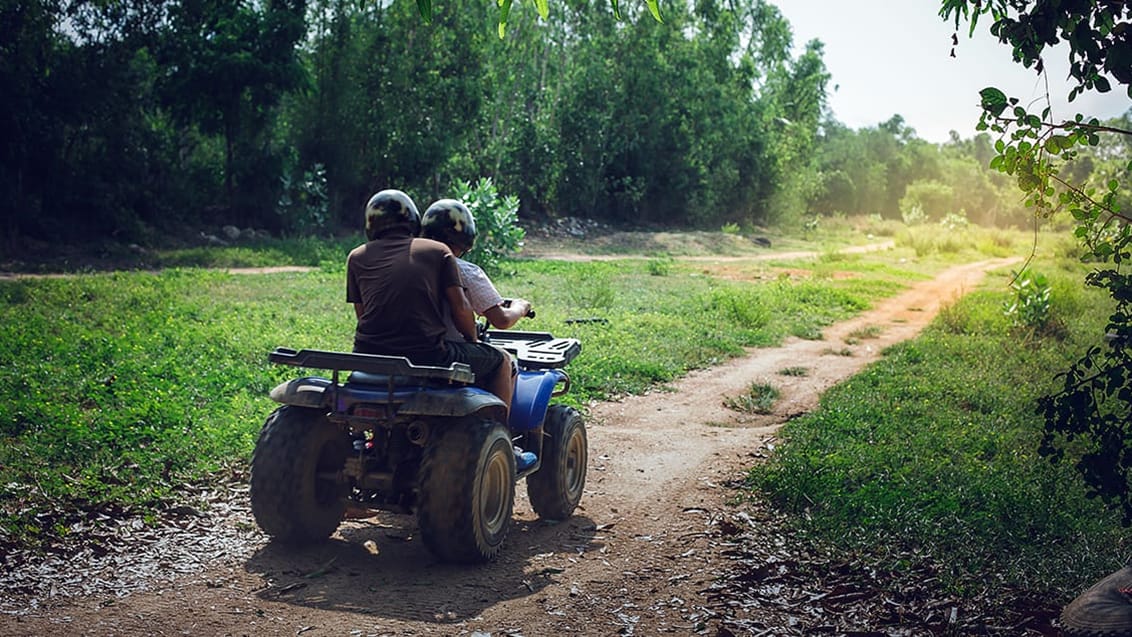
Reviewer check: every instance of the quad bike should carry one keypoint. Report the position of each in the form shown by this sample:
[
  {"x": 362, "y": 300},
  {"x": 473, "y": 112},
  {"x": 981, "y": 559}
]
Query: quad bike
[{"x": 416, "y": 439}]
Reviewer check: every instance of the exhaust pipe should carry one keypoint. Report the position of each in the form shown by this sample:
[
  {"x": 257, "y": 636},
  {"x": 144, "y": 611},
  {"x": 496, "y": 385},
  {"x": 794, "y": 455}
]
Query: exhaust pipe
[{"x": 417, "y": 433}]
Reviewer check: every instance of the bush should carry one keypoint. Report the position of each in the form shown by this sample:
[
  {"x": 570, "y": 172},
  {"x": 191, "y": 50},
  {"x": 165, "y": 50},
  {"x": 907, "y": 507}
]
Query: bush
[
  {"x": 1030, "y": 307},
  {"x": 660, "y": 265},
  {"x": 303, "y": 204},
  {"x": 913, "y": 215},
  {"x": 498, "y": 234},
  {"x": 954, "y": 221},
  {"x": 927, "y": 197}
]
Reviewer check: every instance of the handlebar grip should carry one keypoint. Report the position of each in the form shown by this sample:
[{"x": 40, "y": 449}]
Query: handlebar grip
[{"x": 507, "y": 303}]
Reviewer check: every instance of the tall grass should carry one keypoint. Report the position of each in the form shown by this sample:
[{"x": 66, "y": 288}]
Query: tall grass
[{"x": 930, "y": 456}]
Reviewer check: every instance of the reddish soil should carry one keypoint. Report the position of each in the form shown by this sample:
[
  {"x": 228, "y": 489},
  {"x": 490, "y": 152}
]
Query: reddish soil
[{"x": 642, "y": 555}]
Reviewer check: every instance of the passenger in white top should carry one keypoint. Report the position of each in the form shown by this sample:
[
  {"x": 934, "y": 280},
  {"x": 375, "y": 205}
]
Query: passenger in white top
[{"x": 450, "y": 222}]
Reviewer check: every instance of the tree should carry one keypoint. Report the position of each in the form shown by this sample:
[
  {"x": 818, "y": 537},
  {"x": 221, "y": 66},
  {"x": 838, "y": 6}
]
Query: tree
[
  {"x": 125, "y": 117},
  {"x": 381, "y": 114},
  {"x": 1092, "y": 412},
  {"x": 227, "y": 66}
]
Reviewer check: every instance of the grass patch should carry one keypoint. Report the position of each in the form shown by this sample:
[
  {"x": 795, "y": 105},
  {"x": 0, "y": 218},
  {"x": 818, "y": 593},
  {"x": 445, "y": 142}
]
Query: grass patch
[
  {"x": 930, "y": 456},
  {"x": 660, "y": 265},
  {"x": 794, "y": 371},
  {"x": 758, "y": 399},
  {"x": 863, "y": 333}
]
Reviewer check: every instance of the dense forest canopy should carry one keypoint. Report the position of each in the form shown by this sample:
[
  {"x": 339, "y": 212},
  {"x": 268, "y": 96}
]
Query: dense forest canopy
[{"x": 137, "y": 120}]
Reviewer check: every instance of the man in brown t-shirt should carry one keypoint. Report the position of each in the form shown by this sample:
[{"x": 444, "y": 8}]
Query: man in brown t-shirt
[{"x": 396, "y": 282}]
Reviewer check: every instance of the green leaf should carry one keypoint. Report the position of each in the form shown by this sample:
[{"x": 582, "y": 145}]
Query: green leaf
[
  {"x": 425, "y": 9},
  {"x": 993, "y": 100},
  {"x": 616, "y": 9},
  {"x": 543, "y": 8},
  {"x": 504, "y": 13},
  {"x": 654, "y": 8}
]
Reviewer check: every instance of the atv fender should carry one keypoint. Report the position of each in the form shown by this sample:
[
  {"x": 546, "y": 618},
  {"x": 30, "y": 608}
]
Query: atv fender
[
  {"x": 309, "y": 391},
  {"x": 456, "y": 402},
  {"x": 533, "y": 390}
]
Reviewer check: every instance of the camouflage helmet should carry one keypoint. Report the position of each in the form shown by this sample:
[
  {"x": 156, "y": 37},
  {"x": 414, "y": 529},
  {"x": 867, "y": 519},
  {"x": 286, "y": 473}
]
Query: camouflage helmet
[
  {"x": 449, "y": 221},
  {"x": 390, "y": 209}
]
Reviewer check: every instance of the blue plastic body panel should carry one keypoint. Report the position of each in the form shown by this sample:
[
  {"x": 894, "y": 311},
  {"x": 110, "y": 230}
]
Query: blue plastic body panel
[
  {"x": 405, "y": 400},
  {"x": 422, "y": 400},
  {"x": 533, "y": 390}
]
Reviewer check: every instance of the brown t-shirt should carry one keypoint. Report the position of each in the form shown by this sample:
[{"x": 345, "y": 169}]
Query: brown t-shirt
[{"x": 400, "y": 282}]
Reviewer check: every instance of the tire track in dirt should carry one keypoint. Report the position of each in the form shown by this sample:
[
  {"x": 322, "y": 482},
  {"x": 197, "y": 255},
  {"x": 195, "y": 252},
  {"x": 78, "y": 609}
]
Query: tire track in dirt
[{"x": 637, "y": 557}]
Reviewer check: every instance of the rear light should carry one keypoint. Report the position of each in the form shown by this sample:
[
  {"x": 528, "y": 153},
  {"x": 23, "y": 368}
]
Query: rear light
[{"x": 369, "y": 412}]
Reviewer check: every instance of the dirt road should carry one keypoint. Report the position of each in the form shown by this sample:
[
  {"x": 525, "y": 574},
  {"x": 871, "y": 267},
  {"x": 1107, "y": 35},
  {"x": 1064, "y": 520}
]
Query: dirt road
[{"x": 637, "y": 558}]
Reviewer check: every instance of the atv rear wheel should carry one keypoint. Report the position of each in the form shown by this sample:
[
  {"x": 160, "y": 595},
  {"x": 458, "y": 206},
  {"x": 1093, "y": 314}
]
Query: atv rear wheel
[
  {"x": 467, "y": 491},
  {"x": 556, "y": 488},
  {"x": 295, "y": 493}
]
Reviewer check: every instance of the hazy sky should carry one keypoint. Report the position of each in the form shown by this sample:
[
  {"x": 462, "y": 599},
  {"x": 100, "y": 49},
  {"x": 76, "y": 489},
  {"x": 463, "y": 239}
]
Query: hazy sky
[{"x": 892, "y": 56}]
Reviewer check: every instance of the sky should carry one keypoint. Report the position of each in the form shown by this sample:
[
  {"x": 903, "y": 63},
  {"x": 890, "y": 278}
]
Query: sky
[{"x": 892, "y": 57}]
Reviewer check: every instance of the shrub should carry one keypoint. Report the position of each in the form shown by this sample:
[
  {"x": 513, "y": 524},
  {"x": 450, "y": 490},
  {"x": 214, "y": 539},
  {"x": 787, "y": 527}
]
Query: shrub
[
  {"x": 913, "y": 214},
  {"x": 498, "y": 234},
  {"x": 302, "y": 205},
  {"x": 927, "y": 197},
  {"x": 660, "y": 265},
  {"x": 954, "y": 221},
  {"x": 1030, "y": 306}
]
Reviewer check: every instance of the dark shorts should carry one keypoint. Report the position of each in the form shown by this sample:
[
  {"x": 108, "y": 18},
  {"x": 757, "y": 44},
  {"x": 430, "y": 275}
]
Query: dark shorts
[{"x": 481, "y": 357}]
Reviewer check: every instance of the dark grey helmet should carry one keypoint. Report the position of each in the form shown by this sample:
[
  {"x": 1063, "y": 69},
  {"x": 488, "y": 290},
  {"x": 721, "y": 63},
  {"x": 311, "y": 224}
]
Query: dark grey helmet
[
  {"x": 390, "y": 209},
  {"x": 449, "y": 221}
]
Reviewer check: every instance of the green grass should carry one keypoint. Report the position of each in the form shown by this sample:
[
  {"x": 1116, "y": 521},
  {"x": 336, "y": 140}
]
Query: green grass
[
  {"x": 117, "y": 388},
  {"x": 758, "y": 399},
  {"x": 659, "y": 327},
  {"x": 932, "y": 453}
]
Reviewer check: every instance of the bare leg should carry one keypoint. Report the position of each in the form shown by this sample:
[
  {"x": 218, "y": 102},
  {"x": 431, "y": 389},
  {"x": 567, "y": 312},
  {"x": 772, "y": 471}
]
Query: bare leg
[{"x": 503, "y": 383}]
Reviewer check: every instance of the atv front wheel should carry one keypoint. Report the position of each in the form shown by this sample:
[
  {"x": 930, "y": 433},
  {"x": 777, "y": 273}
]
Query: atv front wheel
[
  {"x": 296, "y": 495},
  {"x": 556, "y": 488},
  {"x": 467, "y": 491}
]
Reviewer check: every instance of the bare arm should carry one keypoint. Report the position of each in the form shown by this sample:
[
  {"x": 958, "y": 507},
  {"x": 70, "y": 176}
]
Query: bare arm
[
  {"x": 462, "y": 316},
  {"x": 506, "y": 315}
]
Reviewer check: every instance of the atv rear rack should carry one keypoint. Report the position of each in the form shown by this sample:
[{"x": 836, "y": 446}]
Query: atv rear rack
[{"x": 391, "y": 366}]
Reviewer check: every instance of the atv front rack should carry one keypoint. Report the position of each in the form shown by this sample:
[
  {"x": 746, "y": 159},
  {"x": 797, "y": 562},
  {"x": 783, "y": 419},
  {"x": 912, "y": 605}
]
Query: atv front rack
[
  {"x": 536, "y": 350},
  {"x": 391, "y": 366}
]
